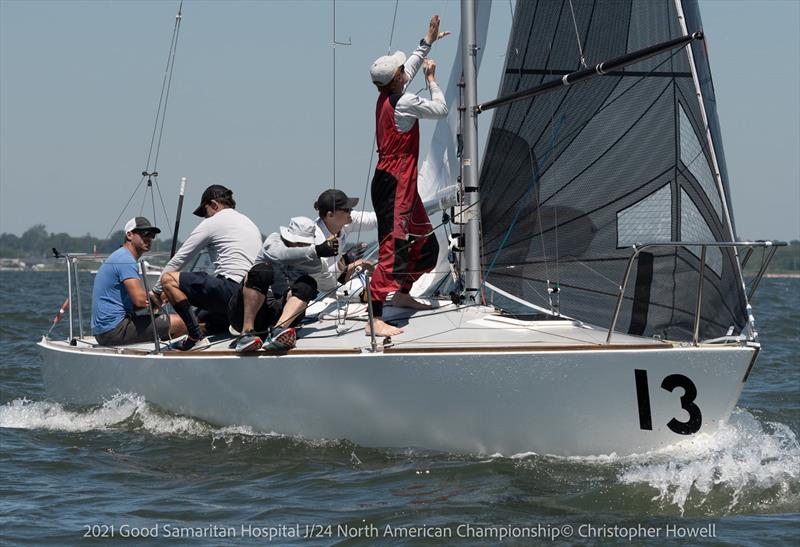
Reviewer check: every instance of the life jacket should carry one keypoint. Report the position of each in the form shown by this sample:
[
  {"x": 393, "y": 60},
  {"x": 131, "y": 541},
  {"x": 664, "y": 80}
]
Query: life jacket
[{"x": 395, "y": 148}]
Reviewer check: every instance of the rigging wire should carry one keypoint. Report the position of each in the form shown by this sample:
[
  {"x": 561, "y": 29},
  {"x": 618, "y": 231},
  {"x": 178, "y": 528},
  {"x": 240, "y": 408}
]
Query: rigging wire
[
  {"x": 577, "y": 35},
  {"x": 122, "y": 212},
  {"x": 394, "y": 21},
  {"x": 374, "y": 135},
  {"x": 334, "y": 43},
  {"x": 151, "y": 173}
]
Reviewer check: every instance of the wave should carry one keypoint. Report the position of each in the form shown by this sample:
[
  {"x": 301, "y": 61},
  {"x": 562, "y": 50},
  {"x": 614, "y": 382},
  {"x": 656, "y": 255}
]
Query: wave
[
  {"x": 131, "y": 412},
  {"x": 123, "y": 411},
  {"x": 747, "y": 464}
]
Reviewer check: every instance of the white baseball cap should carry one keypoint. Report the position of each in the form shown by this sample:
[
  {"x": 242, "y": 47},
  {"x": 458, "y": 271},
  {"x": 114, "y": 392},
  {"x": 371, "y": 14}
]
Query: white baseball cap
[
  {"x": 384, "y": 68},
  {"x": 300, "y": 230},
  {"x": 140, "y": 223}
]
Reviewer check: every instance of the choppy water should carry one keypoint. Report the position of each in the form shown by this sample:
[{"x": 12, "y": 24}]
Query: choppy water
[{"x": 126, "y": 468}]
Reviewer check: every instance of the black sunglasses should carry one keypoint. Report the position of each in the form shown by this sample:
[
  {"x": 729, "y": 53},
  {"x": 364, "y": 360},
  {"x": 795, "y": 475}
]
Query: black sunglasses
[{"x": 150, "y": 234}]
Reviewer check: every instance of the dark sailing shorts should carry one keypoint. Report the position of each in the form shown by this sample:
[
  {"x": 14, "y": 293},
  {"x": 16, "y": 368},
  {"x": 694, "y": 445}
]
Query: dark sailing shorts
[
  {"x": 134, "y": 330},
  {"x": 260, "y": 278},
  {"x": 208, "y": 292},
  {"x": 267, "y": 315}
]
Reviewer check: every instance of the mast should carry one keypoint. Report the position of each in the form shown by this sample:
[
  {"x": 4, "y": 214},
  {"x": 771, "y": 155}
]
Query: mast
[{"x": 469, "y": 156}]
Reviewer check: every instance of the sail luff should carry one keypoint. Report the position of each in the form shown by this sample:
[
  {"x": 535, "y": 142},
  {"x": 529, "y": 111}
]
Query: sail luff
[{"x": 712, "y": 149}]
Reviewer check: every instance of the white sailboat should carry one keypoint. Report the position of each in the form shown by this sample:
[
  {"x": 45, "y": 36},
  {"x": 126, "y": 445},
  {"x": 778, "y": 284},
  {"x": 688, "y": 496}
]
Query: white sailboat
[{"x": 598, "y": 306}]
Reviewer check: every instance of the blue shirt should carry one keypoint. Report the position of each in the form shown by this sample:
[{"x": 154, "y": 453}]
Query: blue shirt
[{"x": 110, "y": 299}]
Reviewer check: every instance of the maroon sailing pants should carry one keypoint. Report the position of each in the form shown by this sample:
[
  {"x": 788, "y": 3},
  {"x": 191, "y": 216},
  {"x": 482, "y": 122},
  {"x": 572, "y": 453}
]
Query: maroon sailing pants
[{"x": 408, "y": 248}]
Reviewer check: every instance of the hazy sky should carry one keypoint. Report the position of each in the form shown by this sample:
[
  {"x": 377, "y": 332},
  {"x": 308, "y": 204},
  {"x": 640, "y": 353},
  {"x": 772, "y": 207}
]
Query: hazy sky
[{"x": 252, "y": 100}]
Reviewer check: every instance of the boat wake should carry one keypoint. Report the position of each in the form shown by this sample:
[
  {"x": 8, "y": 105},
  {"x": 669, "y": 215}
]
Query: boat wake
[
  {"x": 124, "y": 411},
  {"x": 748, "y": 465},
  {"x": 129, "y": 412}
]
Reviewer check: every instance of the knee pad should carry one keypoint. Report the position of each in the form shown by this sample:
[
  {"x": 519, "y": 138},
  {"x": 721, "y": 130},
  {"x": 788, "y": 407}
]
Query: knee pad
[
  {"x": 260, "y": 278},
  {"x": 305, "y": 288}
]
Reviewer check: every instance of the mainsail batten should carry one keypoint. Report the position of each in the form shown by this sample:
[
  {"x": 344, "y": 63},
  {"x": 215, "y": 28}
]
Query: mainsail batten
[{"x": 577, "y": 171}]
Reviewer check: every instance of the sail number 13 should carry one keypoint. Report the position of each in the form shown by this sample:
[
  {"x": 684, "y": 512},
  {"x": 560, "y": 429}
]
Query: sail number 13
[{"x": 692, "y": 425}]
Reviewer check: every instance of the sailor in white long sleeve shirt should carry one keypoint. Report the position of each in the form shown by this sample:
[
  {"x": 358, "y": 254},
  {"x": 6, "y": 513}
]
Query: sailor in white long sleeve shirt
[
  {"x": 232, "y": 241},
  {"x": 293, "y": 265},
  {"x": 337, "y": 218}
]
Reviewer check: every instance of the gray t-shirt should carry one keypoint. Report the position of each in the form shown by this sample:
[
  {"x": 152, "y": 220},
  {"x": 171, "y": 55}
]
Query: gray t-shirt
[{"x": 232, "y": 241}]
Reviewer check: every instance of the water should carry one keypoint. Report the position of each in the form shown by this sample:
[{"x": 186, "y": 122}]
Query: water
[{"x": 126, "y": 468}]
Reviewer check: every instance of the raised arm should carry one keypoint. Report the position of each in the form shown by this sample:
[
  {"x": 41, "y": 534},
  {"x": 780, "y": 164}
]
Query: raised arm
[{"x": 414, "y": 60}]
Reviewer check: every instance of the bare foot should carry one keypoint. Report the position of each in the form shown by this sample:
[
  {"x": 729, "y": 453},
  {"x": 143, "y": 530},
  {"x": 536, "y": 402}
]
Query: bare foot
[
  {"x": 382, "y": 328},
  {"x": 404, "y": 300}
]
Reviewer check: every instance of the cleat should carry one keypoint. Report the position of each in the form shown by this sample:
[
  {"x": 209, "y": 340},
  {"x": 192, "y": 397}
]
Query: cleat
[
  {"x": 284, "y": 340},
  {"x": 248, "y": 342}
]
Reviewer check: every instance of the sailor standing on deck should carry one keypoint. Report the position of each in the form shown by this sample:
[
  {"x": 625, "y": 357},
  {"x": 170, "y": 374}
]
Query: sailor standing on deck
[
  {"x": 118, "y": 292},
  {"x": 233, "y": 241},
  {"x": 408, "y": 247}
]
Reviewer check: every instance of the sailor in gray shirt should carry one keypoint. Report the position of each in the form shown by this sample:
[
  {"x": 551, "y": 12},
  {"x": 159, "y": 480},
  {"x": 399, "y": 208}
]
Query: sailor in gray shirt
[
  {"x": 232, "y": 241},
  {"x": 278, "y": 288}
]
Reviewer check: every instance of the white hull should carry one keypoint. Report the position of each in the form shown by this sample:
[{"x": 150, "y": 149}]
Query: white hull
[{"x": 550, "y": 400}]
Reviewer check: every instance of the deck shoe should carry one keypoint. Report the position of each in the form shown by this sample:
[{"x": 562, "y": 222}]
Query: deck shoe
[
  {"x": 281, "y": 340},
  {"x": 248, "y": 342},
  {"x": 187, "y": 343}
]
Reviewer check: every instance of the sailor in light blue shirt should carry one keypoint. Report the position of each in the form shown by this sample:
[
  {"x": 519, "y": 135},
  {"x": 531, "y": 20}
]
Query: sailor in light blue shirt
[{"x": 118, "y": 292}]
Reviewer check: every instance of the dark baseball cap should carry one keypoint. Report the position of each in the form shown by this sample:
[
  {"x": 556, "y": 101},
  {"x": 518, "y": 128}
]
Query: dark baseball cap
[
  {"x": 215, "y": 191},
  {"x": 334, "y": 200},
  {"x": 140, "y": 224}
]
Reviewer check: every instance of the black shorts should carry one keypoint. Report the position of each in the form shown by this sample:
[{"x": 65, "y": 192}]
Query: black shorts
[
  {"x": 134, "y": 330},
  {"x": 260, "y": 278},
  {"x": 267, "y": 315},
  {"x": 207, "y": 292}
]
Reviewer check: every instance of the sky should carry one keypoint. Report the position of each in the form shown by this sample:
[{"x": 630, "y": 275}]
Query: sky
[{"x": 255, "y": 104}]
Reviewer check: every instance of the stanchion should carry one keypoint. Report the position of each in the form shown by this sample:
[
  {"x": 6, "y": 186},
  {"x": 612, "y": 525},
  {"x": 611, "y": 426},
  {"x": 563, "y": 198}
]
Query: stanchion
[
  {"x": 143, "y": 265},
  {"x": 373, "y": 343}
]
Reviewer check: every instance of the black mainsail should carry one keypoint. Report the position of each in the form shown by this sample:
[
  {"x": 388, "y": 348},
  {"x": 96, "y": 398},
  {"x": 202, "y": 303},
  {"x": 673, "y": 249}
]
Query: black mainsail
[{"x": 572, "y": 179}]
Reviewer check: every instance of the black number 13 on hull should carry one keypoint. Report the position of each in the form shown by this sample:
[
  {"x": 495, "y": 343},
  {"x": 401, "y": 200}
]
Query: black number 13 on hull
[{"x": 692, "y": 425}]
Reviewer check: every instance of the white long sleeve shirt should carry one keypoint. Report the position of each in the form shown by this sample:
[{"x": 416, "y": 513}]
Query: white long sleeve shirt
[
  {"x": 232, "y": 240},
  {"x": 363, "y": 221},
  {"x": 410, "y": 107}
]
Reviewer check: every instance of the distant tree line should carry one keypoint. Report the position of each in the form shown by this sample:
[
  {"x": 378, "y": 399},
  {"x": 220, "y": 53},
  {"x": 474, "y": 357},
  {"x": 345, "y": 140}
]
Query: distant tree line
[
  {"x": 37, "y": 243},
  {"x": 786, "y": 260}
]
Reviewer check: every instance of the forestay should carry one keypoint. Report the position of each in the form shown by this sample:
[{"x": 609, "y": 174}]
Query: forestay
[{"x": 571, "y": 179}]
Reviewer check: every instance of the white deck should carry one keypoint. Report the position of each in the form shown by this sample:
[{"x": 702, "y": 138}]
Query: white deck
[{"x": 444, "y": 328}]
